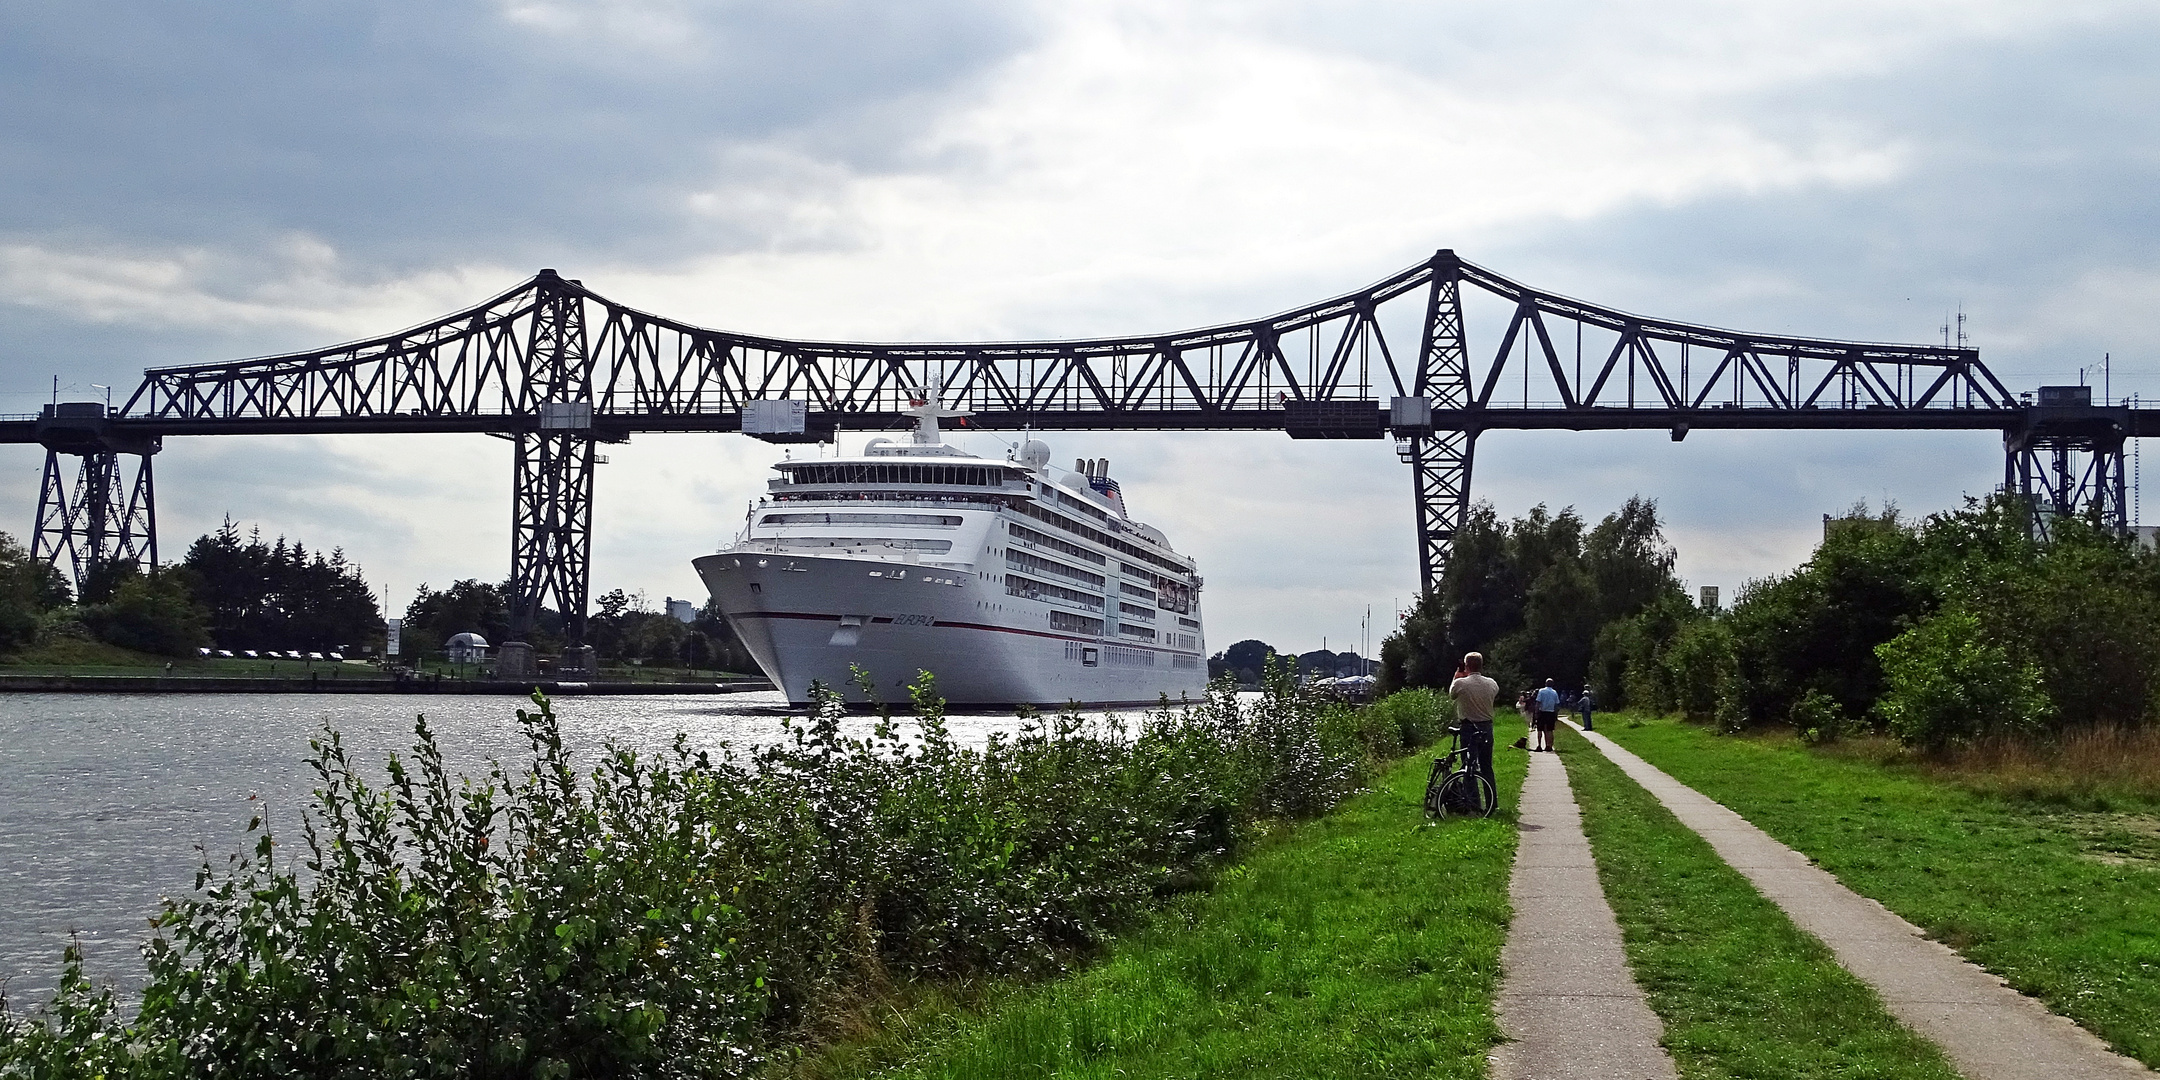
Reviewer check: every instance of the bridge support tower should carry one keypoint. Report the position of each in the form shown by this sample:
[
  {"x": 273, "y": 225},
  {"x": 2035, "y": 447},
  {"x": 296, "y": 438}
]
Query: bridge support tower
[
  {"x": 2065, "y": 459},
  {"x": 1439, "y": 460},
  {"x": 552, "y": 474},
  {"x": 103, "y": 518}
]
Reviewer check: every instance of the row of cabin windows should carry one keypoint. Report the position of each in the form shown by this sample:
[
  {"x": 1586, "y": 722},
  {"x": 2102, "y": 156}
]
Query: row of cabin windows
[
  {"x": 862, "y": 473},
  {"x": 1022, "y": 532},
  {"x": 1029, "y": 588},
  {"x": 1111, "y": 542},
  {"x": 1021, "y": 560}
]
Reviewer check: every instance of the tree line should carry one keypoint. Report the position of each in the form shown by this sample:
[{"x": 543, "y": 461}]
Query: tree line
[
  {"x": 1937, "y": 631},
  {"x": 1246, "y": 663},
  {"x": 236, "y": 590},
  {"x": 1535, "y": 595},
  {"x": 623, "y": 626},
  {"x": 1957, "y": 626},
  {"x": 231, "y": 591}
]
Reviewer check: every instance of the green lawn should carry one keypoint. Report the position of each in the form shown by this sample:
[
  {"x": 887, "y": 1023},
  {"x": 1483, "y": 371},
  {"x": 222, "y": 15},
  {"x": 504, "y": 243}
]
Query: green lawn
[
  {"x": 1363, "y": 944},
  {"x": 73, "y": 656},
  {"x": 1743, "y": 992},
  {"x": 2064, "y": 904}
]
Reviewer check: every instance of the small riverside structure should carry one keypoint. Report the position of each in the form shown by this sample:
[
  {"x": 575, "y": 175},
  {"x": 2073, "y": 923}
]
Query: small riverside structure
[{"x": 467, "y": 648}]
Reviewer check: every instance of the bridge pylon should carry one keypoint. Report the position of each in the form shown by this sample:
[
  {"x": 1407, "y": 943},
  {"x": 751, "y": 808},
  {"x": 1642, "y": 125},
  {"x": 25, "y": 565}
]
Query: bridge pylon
[
  {"x": 2066, "y": 460},
  {"x": 103, "y": 517},
  {"x": 552, "y": 472},
  {"x": 1439, "y": 460}
]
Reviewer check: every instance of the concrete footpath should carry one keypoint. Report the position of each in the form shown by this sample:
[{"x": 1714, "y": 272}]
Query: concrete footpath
[
  {"x": 1568, "y": 1003},
  {"x": 1989, "y": 1031}
]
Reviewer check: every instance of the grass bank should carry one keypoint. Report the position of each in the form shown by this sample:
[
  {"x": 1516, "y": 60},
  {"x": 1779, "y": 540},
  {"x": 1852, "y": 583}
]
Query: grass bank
[
  {"x": 1743, "y": 992},
  {"x": 2093, "y": 767},
  {"x": 1366, "y": 943},
  {"x": 2062, "y": 901}
]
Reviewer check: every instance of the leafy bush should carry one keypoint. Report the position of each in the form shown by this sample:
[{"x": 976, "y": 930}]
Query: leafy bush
[
  {"x": 1949, "y": 683},
  {"x": 1699, "y": 666},
  {"x": 1627, "y": 668},
  {"x": 1818, "y": 719},
  {"x": 28, "y": 588},
  {"x": 1815, "y": 629},
  {"x": 1394, "y": 725},
  {"x": 680, "y": 915},
  {"x": 2084, "y": 608}
]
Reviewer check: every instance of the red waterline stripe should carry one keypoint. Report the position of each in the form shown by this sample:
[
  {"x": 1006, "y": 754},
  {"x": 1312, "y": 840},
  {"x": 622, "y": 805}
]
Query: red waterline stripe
[{"x": 970, "y": 626}]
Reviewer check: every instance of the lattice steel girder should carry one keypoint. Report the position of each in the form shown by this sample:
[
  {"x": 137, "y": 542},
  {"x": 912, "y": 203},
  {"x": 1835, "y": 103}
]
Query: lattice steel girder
[
  {"x": 821, "y": 424},
  {"x": 496, "y": 361},
  {"x": 551, "y": 531},
  {"x": 104, "y": 521}
]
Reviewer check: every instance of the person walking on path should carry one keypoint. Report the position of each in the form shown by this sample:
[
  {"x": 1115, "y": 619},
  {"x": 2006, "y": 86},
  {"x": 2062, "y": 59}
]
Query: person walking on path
[
  {"x": 1548, "y": 715},
  {"x": 1474, "y": 695},
  {"x": 1584, "y": 705}
]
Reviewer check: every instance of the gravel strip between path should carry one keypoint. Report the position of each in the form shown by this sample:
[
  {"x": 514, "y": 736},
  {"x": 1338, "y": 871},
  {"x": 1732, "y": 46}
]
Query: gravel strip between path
[{"x": 1989, "y": 1031}]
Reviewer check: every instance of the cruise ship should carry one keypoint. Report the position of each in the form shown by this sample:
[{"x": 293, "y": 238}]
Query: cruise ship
[{"x": 1011, "y": 581}]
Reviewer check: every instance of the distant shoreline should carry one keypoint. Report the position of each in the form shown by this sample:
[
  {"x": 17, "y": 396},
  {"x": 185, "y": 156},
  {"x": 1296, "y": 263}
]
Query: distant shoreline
[{"x": 183, "y": 684}]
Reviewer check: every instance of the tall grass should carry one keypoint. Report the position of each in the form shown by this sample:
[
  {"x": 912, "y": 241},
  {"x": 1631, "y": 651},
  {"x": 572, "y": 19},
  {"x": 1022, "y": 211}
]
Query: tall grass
[
  {"x": 687, "y": 915},
  {"x": 2096, "y": 763}
]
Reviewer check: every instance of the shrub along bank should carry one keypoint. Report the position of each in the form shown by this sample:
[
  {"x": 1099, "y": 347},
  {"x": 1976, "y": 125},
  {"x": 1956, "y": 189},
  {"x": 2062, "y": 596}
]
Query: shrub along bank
[{"x": 687, "y": 915}]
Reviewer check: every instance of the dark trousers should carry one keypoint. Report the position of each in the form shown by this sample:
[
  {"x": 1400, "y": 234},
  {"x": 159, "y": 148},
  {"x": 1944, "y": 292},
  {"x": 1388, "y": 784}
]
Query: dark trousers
[{"x": 1477, "y": 738}]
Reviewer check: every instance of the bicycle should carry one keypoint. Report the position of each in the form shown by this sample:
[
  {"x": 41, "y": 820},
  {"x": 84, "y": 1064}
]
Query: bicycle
[{"x": 1452, "y": 788}]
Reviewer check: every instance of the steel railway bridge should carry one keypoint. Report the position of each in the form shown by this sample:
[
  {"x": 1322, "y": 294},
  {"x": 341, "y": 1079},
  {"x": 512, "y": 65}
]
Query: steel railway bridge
[{"x": 559, "y": 369}]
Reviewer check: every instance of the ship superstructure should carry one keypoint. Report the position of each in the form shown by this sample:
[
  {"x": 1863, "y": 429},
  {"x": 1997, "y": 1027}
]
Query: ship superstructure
[{"x": 1010, "y": 580}]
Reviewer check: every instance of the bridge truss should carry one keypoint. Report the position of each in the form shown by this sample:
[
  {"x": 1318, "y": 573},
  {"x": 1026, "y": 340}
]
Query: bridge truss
[{"x": 558, "y": 368}]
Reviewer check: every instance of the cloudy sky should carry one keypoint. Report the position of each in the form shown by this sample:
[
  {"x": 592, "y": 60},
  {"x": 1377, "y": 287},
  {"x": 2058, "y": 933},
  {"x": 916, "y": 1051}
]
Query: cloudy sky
[{"x": 191, "y": 181}]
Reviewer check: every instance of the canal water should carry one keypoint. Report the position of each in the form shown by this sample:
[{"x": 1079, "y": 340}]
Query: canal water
[{"x": 109, "y": 802}]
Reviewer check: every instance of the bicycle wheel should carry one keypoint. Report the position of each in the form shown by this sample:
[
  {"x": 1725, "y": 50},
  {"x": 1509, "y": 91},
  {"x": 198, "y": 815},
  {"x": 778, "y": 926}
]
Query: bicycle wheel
[
  {"x": 1433, "y": 782},
  {"x": 1467, "y": 794}
]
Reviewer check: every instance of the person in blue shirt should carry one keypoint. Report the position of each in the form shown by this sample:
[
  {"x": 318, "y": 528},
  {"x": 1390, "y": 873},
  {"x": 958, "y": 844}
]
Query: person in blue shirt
[{"x": 1548, "y": 716}]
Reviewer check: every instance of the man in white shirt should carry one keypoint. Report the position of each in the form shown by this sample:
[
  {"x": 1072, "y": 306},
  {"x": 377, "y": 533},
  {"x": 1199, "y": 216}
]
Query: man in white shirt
[
  {"x": 1548, "y": 715},
  {"x": 1474, "y": 694}
]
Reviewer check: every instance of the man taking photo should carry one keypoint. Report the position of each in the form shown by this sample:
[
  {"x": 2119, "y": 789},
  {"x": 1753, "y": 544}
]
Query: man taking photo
[{"x": 1474, "y": 695}]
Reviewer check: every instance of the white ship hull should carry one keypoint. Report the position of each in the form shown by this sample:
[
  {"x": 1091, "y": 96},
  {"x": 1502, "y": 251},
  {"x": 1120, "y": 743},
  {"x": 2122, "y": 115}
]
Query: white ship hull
[
  {"x": 1009, "y": 583},
  {"x": 815, "y": 619}
]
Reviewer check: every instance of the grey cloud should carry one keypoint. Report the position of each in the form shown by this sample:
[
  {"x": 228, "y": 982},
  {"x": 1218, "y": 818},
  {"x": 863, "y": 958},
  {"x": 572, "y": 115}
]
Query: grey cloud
[
  {"x": 2029, "y": 163},
  {"x": 412, "y": 133}
]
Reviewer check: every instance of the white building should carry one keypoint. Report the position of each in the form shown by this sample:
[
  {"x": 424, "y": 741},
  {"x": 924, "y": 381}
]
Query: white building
[{"x": 467, "y": 648}]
